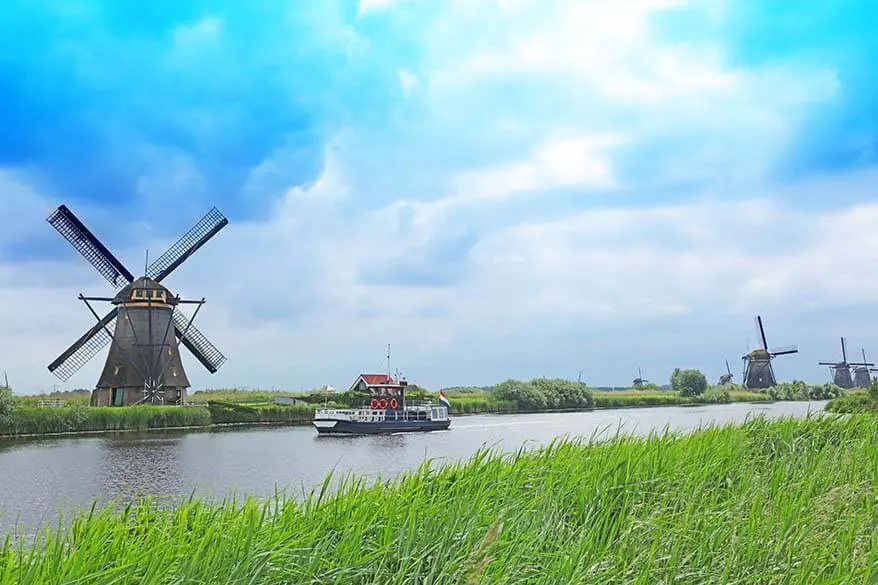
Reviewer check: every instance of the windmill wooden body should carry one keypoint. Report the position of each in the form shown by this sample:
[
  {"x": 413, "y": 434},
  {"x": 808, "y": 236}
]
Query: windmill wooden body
[
  {"x": 758, "y": 373},
  {"x": 841, "y": 371},
  {"x": 862, "y": 372},
  {"x": 145, "y": 326}
]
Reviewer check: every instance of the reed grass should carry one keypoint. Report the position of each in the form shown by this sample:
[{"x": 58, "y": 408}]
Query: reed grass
[
  {"x": 791, "y": 501},
  {"x": 854, "y": 401},
  {"x": 26, "y": 420}
]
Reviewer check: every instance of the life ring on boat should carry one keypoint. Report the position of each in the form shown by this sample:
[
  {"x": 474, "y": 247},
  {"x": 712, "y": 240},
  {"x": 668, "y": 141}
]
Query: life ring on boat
[
  {"x": 393, "y": 403},
  {"x": 373, "y": 403},
  {"x": 382, "y": 403}
]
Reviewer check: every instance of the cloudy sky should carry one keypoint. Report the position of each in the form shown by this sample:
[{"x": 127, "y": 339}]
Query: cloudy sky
[{"x": 497, "y": 188}]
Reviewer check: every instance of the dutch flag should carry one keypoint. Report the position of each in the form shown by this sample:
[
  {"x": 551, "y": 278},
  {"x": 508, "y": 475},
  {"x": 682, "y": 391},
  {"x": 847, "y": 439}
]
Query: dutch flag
[{"x": 444, "y": 400}]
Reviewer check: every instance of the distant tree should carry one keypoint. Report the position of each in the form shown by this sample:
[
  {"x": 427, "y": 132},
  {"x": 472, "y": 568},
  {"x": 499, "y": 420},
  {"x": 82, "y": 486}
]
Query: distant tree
[
  {"x": 416, "y": 392},
  {"x": 7, "y": 402},
  {"x": 688, "y": 382},
  {"x": 873, "y": 390},
  {"x": 525, "y": 395}
]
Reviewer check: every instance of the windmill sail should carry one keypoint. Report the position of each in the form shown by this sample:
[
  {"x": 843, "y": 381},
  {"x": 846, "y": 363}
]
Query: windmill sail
[
  {"x": 197, "y": 236},
  {"x": 79, "y": 236}
]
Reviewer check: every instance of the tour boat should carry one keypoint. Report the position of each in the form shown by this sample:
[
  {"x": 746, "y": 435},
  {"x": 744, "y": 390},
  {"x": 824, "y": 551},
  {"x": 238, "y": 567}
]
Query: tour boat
[{"x": 386, "y": 411}]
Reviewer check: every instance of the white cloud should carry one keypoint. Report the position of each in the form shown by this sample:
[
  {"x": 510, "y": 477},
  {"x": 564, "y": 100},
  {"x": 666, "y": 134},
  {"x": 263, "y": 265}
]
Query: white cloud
[
  {"x": 408, "y": 81},
  {"x": 557, "y": 164},
  {"x": 203, "y": 31}
]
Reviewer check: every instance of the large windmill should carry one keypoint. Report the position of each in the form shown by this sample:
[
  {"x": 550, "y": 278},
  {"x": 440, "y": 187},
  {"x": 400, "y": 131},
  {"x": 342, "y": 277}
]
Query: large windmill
[
  {"x": 727, "y": 377},
  {"x": 758, "y": 372},
  {"x": 841, "y": 371},
  {"x": 143, "y": 364},
  {"x": 862, "y": 378}
]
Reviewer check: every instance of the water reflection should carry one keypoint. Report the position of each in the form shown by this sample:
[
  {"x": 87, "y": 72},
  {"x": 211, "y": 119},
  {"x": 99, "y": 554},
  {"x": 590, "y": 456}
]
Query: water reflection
[{"x": 131, "y": 467}]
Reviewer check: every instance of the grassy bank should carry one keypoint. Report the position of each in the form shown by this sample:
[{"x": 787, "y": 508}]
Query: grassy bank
[
  {"x": 766, "y": 502},
  {"x": 856, "y": 401},
  {"x": 26, "y": 420},
  {"x": 258, "y": 407}
]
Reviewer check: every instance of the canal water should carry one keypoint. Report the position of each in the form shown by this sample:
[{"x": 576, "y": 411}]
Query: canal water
[{"x": 40, "y": 478}]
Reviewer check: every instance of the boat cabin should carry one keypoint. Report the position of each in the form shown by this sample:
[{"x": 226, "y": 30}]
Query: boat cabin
[{"x": 380, "y": 385}]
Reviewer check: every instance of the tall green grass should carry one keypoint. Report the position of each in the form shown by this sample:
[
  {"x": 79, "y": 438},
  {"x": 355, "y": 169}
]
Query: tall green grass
[
  {"x": 790, "y": 502},
  {"x": 26, "y": 420},
  {"x": 226, "y": 413}
]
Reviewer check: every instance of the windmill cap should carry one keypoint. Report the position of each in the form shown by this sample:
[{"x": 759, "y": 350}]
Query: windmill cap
[{"x": 142, "y": 285}]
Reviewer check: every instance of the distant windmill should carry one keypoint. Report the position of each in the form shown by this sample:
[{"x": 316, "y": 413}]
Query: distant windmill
[
  {"x": 639, "y": 381},
  {"x": 862, "y": 379},
  {"x": 841, "y": 371},
  {"x": 727, "y": 377},
  {"x": 758, "y": 372}
]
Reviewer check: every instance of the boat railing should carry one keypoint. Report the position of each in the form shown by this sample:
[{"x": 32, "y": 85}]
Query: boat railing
[{"x": 432, "y": 412}]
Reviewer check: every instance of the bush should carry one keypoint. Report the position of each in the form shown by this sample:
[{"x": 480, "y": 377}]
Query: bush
[
  {"x": 688, "y": 382},
  {"x": 542, "y": 394},
  {"x": 7, "y": 402},
  {"x": 799, "y": 390},
  {"x": 873, "y": 390},
  {"x": 525, "y": 396},
  {"x": 716, "y": 395}
]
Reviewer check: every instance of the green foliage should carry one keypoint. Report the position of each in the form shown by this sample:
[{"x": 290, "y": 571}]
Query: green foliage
[
  {"x": 688, "y": 382},
  {"x": 543, "y": 394},
  {"x": 7, "y": 402},
  {"x": 240, "y": 396},
  {"x": 851, "y": 402},
  {"x": 27, "y": 420},
  {"x": 716, "y": 395},
  {"x": 873, "y": 391},
  {"x": 228, "y": 413},
  {"x": 799, "y": 390},
  {"x": 636, "y": 398},
  {"x": 788, "y": 501},
  {"x": 675, "y": 380},
  {"x": 68, "y": 397}
]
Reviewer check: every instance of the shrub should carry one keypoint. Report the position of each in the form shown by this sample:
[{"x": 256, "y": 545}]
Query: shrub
[
  {"x": 7, "y": 402},
  {"x": 716, "y": 395},
  {"x": 525, "y": 396},
  {"x": 688, "y": 382}
]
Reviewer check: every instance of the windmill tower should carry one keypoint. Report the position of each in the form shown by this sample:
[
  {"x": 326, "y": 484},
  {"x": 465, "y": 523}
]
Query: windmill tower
[
  {"x": 862, "y": 378},
  {"x": 758, "y": 372},
  {"x": 727, "y": 377},
  {"x": 145, "y": 326},
  {"x": 639, "y": 381},
  {"x": 841, "y": 371}
]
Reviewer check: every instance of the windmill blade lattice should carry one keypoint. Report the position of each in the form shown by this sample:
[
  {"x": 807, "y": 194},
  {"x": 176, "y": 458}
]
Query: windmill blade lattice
[
  {"x": 196, "y": 237},
  {"x": 84, "y": 348},
  {"x": 196, "y": 342},
  {"x": 79, "y": 236}
]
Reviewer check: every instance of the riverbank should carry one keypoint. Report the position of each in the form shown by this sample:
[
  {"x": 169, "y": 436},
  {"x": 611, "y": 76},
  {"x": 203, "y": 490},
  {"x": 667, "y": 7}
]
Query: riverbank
[
  {"x": 29, "y": 421},
  {"x": 763, "y": 502},
  {"x": 246, "y": 407}
]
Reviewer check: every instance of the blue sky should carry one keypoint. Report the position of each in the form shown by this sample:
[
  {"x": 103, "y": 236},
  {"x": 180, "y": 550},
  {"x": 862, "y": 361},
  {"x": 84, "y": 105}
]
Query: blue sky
[{"x": 497, "y": 188}]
